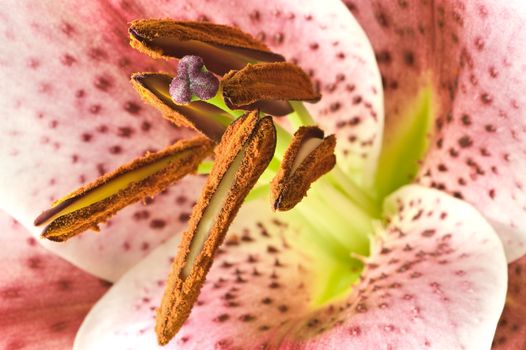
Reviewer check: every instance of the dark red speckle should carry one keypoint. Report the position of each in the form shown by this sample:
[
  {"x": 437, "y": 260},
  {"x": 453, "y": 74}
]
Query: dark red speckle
[
  {"x": 67, "y": 29},
  {"x": 67, "y": 60},
  {"x": 132, "y": 107},
  {"x": 103, "y": 83},
  {"x": 157, "y": 223}
]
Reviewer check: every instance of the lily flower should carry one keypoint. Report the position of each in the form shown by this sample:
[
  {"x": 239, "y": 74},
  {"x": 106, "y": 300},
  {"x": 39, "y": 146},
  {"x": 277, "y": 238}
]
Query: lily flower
[{"x": 380, "y": 254}]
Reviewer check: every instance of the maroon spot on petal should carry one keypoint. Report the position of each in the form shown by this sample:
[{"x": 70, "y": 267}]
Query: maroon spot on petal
[
  {"x": 31, "y": 241},
  {"x": 80, "y": 93},
  {"x": 382, "y": 20},
  {"x": 53, "y": 124},
  {"x": 35, "y": 263},
  {"x": 389, "y": 328},
  {"x": 223, "y": 344},
  {"x": 272, "y": 250},
  {"x": 486, "y": 98},
  {"x": 101, "y": 169},
  {"x": 45, "y": 88},
  {"x": 283, "y": 308},
  {"x": 466, "y": 119},
  {"x": 409, "y": 58},
  {"x": 115, "y": 149},
  {"x": 33, "y": 63},
  {"x": 313, "y": 322},
  {"x": 67, "y": 29},
  {"x": 64, "y": 284},
  {"x": 95, "y": 109},
  {"x": 141, "y": 215},
  {"x": 97, "y": 54},
  {"x": 132, "y": 107},
  {"x": 493, "y": 72},
  {"x": 465, "y": 141},
  {"x": 67, "y": 60},
  {"x": 274, "y": 285},
  {"x": 278, "y": 38},
  {"x": 59, "y": 326},
  {"x": 361, "y": 308},
  {"x": 184, "y": 217},
  {"x": 222, "y": 318},
  {"x": 335, "y": 106},
  {"x": 146, "y": 126},
  {"x": 247, "y": 318},
  {"x": 157, "y": 224},
  {"x": 180, "y": 200},
  {"x": 102, "y": 129},
  {"x": 490, "y": 128},
  {"x": 125, "y": 131},
  {"x": 355, "y": 331},
  {"x": 428, "y": 233},
  {"x": 185, "y": 339},
  {"x": 383, "y": 57},
  {"x": 255, "y": 15},
  {"x": 492, "y": 193},
  {"x": 103, "y": 83},
  {"x": 266, "y": 301},
  {"x": 479, "y": 43},
  {"x": 356, "y": 100}
]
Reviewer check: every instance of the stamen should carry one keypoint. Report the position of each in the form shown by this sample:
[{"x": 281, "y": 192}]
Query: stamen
[
  {"x": 268, "y": 86},
  {"x": 222, "y": 48},
  {"x": 193, "y": 79},
  {"x": 308, "y": 157},
  {"x": 143, "y": 177},
  {"x": 243, "y": 154},
  {"x": 201, "y": 116}
]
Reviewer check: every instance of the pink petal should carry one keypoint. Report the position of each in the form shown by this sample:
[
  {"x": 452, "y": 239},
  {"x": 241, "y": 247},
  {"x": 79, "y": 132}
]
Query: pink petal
[
  {"x": 43, "y": 299},
  {"x": 511, "y": 332},
  {"x": 474, "y": 55},
  {"x": 437, "y": 278}
]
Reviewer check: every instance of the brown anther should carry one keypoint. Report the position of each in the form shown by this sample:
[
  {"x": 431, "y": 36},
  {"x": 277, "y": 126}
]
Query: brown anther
[
  {"x": 268, "y": 86},
  {"x": 241, "y": 157},
  {"x": 308, "y": 157},
  {"x": 143, "y": 177},
  {"x": 222, "y": 48},
  {"x": 201, "y": 116}
]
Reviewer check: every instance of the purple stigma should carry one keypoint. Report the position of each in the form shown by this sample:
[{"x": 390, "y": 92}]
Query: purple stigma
[{"x": 192, "y": 79}]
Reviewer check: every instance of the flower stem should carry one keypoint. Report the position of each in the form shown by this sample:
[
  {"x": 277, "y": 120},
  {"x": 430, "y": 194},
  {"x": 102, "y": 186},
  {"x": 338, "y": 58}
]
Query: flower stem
[
  {"x": 349, "y": 188},
  {"x": 300, "y": 116}
]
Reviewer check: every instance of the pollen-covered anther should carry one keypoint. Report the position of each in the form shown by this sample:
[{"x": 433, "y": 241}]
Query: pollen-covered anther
[
  {"x": 269, "y": 87},
  {"x": 308, "y": 157},
  {"x": 154, "y": 88},
  {"x": 193, "y": 79},
  {"x": 143, "y": 177},
  {"x": 241, "y": 157},
  {"x": 222, "y": 47}
]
